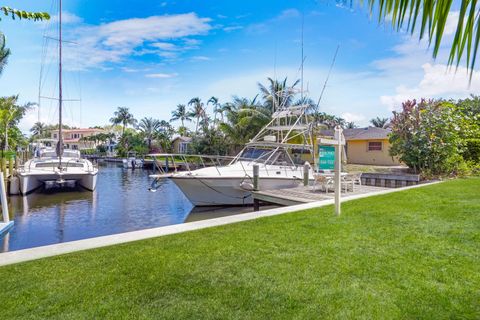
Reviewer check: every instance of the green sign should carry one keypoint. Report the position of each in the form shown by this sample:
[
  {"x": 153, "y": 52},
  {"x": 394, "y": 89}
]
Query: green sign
[{"x": 326, "y": 156}]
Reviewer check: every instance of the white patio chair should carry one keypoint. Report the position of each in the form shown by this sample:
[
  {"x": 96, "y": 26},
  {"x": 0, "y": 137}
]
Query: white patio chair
[{"x": 324, "y": 181}]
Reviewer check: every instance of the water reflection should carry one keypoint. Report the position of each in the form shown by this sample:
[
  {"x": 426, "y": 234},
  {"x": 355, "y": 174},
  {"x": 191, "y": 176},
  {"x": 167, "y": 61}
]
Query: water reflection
[{"x": 121, "y": 203}]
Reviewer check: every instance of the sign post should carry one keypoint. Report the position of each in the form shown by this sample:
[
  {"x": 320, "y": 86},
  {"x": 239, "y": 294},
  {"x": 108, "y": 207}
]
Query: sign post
[{"x": 337, "y": 143}]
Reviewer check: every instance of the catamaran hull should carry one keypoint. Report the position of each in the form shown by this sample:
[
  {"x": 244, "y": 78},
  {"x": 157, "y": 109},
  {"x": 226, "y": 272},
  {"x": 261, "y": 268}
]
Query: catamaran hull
[
  {"x": 31, "y": 182},
  {"x": 220, "y": 191}
]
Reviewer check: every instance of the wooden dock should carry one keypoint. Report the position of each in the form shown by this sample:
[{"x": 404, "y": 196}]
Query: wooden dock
[{"x": 301, "y": 194}]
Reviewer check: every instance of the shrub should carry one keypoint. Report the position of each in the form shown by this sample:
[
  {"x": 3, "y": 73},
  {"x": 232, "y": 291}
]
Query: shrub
[{"x": 425, "y": 136}]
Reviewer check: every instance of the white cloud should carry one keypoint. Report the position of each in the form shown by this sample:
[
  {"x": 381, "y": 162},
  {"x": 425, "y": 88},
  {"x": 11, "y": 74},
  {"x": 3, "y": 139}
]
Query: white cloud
[
  {"x": 200, "y": 58},
  {"x": 164, "y": 46},
  {"x": 161, "y": 75},
  {"x": 67, "y": 18},
  {"x": 115, "y": 41},
  {"x": 438, "y": 81},
  {"x": 354, "y": 117},
  {"x": 289, "y": 13},
  {"x": 232, "y": 28}
]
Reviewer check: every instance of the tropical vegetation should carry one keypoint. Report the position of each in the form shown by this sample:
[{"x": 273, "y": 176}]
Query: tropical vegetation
[{"x": 437, "y": 137}]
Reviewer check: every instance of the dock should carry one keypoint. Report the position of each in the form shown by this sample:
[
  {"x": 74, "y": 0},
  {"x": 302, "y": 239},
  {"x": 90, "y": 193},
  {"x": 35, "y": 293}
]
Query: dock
[{"x": 301, "y": 194}]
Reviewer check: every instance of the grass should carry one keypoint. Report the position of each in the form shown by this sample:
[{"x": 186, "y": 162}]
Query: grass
[{"x": 408, "y": 255}]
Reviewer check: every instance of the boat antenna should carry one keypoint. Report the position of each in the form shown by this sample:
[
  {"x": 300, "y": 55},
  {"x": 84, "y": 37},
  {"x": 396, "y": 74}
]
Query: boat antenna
[
  {"x": 328, "y": 77},
  {"x": 60, "y": 94}
]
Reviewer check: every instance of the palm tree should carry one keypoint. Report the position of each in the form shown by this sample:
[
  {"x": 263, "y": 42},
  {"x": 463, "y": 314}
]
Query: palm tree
[
  {"x": 38, "y": 129},
  {"x": 379, "y": 122},
  {"x": 431, "y": 18},
  {"x": 10, "y": 114},
  {"x": 351, "y": 125},
  {"x": 216, "y": 108},
  {"x": 124, "y": 117},
  {"x": 197, "y": 111},
  {"x": 277, "y": 94},
  {"x": 181, "y": 114},
  {"x": 149, "y": 128},
  {"x": 4, "y": 53},
  {"x": 245, "y": 118}
]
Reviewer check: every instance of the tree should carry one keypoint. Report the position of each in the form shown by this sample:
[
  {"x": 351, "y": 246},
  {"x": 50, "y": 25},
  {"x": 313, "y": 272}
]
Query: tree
[
  {"x": 4, "y": 53},
  {"x": 197, "y": 111},
  {"x": 181, "y": 114},
  {"x": 350, "y": 125},
  {"x": 149, "y": 128},
  {"x": 277, "y": 94},
  {"x": 38, "y": 129},
  {"x": 245, "y": 118},
  {"x": 379, "y": 122},
  {"x": 425, "y": 136},
  {"x": 22, "y": 14},
  {"x": 216, "y": 108},
  {"x": 164, "y": 135},
  {"x": 10, "y": 114},
  {"x": 124, "y": 117},
  {"x": 431, "y": 18},
  {"x": 327, "y": 120}
]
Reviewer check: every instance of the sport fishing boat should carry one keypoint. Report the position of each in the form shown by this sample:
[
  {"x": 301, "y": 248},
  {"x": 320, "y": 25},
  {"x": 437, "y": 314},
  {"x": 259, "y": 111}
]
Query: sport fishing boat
[
  {"x": 280, "y": 150},
  {"x": 56, "y": 166}
]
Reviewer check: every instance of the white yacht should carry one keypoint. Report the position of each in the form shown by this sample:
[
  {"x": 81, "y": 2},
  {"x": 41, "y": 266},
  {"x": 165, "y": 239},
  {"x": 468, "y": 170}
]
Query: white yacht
[
  {"x": 57, "y": 171},
  {"x": 280, "y": 149}
]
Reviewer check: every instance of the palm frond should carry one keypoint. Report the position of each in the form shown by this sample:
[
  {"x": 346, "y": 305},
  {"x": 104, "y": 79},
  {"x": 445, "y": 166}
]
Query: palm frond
[{"x": 430, "y": 16}]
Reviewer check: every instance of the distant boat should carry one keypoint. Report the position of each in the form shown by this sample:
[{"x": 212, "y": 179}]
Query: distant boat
[
  {"x": 131, "y": 161},
  {"x": 57, "y": 167}
]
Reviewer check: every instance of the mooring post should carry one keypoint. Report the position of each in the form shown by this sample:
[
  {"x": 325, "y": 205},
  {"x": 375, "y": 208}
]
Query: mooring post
[
  {"x": 306, "y": 169},
  {"x": 3, "y": 198},
  {"x": 10, "y": 166},
  {"x": 256, "y": 173}
]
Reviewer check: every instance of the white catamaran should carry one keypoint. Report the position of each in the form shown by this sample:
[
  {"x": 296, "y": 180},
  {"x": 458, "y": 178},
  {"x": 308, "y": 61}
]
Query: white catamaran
[
  {"x": 56, "y": 166},
  {"x": 279, "y": 149}
]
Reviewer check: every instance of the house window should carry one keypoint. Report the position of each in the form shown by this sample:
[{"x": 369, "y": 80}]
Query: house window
[
  {"x": 74, "y": 147},
  {"x": 54, "y": 136},
  {"x": 182, "y": 148},
  {"x": 374, "y": 146}
]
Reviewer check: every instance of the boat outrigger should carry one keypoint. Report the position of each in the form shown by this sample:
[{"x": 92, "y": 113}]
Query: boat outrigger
[{"x": 280, "y": 149}]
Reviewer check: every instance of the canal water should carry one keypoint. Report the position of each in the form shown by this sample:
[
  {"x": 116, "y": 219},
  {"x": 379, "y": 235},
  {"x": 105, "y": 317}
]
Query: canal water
[{"x": 121, "y": 203}]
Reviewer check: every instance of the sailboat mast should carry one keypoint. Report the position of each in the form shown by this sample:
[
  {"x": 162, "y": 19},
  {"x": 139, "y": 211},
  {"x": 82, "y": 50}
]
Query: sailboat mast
[{"x": 60, "y": 94}]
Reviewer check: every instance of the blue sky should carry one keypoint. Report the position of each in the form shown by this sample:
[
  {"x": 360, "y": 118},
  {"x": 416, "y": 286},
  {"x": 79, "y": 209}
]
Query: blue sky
[{"x": 152, "y": 55}]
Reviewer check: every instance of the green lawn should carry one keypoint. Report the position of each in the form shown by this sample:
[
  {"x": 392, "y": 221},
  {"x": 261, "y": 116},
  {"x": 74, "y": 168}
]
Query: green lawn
[{"x": 409, "y": 255}]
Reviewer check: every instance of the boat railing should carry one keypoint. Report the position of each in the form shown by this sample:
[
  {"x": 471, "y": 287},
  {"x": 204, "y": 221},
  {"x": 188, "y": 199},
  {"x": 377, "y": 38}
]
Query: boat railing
[
  {"x": 53, "y": 166},
  {"x": 164, "y": 162}
]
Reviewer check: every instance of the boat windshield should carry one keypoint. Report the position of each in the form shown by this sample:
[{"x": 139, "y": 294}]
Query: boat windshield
[
  {"x": 267, "y": 156},
  {"x": 53, "y": 154},
  {"x": 254, "y": 153}
]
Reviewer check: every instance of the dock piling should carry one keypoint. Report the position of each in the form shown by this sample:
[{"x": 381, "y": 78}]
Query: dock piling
[
  {"x": 10, "y": 166},
  {"x": 306, "y": 169},
  {"x": 256, "y": 173}
]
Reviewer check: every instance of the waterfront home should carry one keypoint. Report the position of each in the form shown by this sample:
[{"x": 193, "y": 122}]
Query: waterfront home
[
  {"x": 181, "y": 144},
  {"x": 72, "y": 138},
  {"x": 368, "y": 146}
]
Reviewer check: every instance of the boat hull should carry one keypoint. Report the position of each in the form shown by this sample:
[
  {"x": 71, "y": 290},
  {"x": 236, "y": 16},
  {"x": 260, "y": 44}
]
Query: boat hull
[
  {"x": 29, "y": 182},
  {"x": 220, "y": 191}
]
